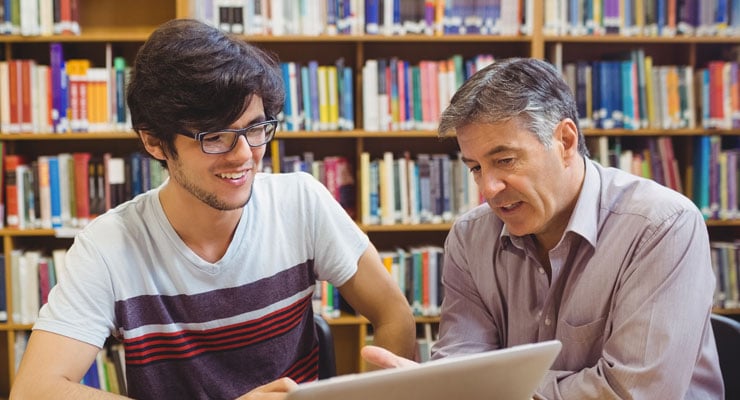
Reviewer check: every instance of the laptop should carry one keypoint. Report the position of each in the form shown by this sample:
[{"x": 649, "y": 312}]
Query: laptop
[{"x": 506, "y": 374}]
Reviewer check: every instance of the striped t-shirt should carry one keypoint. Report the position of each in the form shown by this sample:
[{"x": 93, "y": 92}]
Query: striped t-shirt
[{"x": 195, "y": 329}]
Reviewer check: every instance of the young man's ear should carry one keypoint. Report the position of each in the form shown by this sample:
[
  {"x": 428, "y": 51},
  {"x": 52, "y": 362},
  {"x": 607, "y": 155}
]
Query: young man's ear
[{"x": 152, "y": 145}]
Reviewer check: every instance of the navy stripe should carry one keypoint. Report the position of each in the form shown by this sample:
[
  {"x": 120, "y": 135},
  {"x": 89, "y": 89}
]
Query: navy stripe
[{"x": 217, "y": 304}]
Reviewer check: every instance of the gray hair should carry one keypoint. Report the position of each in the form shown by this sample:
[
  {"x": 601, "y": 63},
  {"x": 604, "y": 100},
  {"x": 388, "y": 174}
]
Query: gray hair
[{"x": 529, "y": 90}]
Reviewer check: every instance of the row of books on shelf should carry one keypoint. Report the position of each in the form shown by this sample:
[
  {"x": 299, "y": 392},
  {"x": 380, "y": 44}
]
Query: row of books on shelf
[
  {"x": 67, "y": 95},
  {"x": 631, "y": 93},
  {"x": 642, "y": 17},
  {"x": 417, "y": 271},
  {"x": 425, "y": 188},
  {"x": 726, "y": 264},
  {"x": 396, "y": 94},
  {"x": 32, "y": 275},
  {"x": 40, "y": 17},
  {"x": 372, "y": 17},
  {"x": 318, "y": 97},
  {"x": 400, "y": 95},
  {"x": 70, "y": 189},
  {"x": 710, "y": 179}
]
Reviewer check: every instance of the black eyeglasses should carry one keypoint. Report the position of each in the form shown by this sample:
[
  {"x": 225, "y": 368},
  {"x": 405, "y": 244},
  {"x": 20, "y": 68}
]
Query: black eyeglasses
[{"x": 223, "y": 141}]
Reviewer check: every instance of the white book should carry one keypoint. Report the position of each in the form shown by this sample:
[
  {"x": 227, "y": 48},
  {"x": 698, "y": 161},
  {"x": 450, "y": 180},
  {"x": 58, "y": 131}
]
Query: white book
[
  {"x": 277, "y": 17},
  {"x": 15, "y": 283},
  {"x": 60, "y": 267},
  {"x": 413, "y": 183},
  {"x": 46, "y": 17},
  {"x": 29, "y": 12},
  {"x": 19, "y": 220},
  {"x": 371, "y": 117},
  {"x": 365, "y": 188},
  {"x": 65, "y": 189},
  {"x": 41, "y": 112},
  {"x": 510, "y": 17},
  {"x": 28, "y": 269},
  {"x": 4, "y": 98},
  {"x": 387, "y": 190}
]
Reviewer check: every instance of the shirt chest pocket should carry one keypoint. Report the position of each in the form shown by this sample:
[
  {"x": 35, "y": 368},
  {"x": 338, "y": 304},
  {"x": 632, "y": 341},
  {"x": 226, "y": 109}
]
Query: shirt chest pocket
[{"x": 582, "y": 343}]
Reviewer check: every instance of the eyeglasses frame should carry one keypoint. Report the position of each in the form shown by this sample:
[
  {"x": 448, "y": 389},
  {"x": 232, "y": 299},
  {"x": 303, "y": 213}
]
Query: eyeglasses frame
[{"x": 240, "y": 132}]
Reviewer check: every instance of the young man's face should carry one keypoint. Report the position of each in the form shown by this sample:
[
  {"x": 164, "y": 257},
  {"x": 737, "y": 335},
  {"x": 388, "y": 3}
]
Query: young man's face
[
  {"x": 221, "y": 181},
  {"x": 523, "y": 182}
]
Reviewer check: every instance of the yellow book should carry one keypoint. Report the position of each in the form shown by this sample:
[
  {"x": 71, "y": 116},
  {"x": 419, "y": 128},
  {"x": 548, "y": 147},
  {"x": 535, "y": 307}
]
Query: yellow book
[
  {"x": 649, "y": 93},
  {"x": 323, "y": 76},
  {"x": 332, "y": 97}
]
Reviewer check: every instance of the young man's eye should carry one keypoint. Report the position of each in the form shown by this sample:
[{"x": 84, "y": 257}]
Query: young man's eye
[
  {"x": 505, "y": 161},
  {"x": 474, "y": 169}
]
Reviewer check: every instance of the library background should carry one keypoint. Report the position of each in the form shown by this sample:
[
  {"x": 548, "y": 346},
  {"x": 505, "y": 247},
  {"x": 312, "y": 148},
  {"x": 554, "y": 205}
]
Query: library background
[{"x": 657, "y": 85}]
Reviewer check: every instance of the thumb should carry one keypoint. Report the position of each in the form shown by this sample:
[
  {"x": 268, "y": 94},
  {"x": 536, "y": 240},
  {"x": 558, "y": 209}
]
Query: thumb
[{"x": 383, "y": 358}]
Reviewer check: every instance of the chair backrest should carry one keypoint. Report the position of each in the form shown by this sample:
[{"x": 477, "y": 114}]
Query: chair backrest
[
  {"x": 327, "y": 359},
  {"x": 727, "y": 335}
]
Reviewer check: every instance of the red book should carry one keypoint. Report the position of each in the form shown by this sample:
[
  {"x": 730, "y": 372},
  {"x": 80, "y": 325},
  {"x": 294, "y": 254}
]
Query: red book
[
  {"x": 12, "y": 161},
  {"x": 82, "y": 186},
  {"x": 44, "y": 280}
]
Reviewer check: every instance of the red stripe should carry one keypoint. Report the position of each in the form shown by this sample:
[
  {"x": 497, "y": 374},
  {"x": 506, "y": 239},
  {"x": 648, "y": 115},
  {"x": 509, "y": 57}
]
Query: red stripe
[{"x": 198, "y": 343}]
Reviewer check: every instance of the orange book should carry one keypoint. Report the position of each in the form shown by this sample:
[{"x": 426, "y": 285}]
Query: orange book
[{"x": 28, "y": 68}]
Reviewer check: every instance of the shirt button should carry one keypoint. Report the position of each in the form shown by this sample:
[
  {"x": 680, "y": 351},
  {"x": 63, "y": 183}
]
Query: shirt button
[
  {"x": 541, "y": 270},
  {"x": 548, "y": 321},
  {"x": 539, "y": 315}
]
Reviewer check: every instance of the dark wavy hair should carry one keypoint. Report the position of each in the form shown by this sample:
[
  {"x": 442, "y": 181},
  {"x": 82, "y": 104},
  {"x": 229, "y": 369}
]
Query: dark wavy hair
[{"x": 189, "y": 76}]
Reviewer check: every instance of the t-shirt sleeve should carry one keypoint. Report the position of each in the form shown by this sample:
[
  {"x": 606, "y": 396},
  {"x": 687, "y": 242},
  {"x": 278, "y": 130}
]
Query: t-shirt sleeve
[{"x": 81, "y": 308}]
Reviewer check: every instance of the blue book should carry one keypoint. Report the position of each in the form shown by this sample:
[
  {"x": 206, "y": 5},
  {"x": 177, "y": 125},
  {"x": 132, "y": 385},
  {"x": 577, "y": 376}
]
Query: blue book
[
  {"x": 287, "y": 109},
  {"x": 372, "y": 17},
  {"x": 119, "y": 66},
  {"x": 91, "y": 377},
  {"x": 313, "y": 85},
  {"x": 735, "y": 15},
  {"x": 661, "y": 17},
  {"x": 135, "y": 165},
  {"x": 58, "y": 88},
  {"x": 700, "y": 195},
  {"x": 55, "y": 191},
  {"x": 306, "y": 95},
  {"x": 348, "y": 99},
  {"x": 629, "y": 84}
]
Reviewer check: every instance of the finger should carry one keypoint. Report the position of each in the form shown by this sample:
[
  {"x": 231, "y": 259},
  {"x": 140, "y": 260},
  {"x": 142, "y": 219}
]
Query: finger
[
  {"x": 279, "y": 385},
  {"x": 383, "y": 358}
]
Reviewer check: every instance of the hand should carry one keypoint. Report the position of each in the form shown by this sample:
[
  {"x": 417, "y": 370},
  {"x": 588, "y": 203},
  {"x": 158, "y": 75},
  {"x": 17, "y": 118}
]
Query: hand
[
  {"x": 275, "y": 390},
  {"x": 383, "y": 358}
]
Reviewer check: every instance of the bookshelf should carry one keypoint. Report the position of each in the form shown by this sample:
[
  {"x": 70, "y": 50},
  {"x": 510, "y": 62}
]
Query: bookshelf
[{"x": 123, "y": 26}]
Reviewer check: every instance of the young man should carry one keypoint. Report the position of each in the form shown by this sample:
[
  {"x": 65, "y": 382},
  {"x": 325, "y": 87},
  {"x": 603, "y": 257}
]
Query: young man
[
  {"x": 614, "y": 266},
  {"x": 208, "y": 279}
]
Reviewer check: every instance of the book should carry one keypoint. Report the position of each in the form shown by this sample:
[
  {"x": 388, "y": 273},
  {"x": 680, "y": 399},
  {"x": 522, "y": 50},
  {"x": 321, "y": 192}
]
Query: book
[{"x": 12, "y": 210}]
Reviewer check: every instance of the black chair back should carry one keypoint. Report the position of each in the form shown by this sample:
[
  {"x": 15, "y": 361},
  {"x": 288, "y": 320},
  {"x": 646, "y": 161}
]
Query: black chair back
[
  {"x": 327, "y": 359},
  {"x": 727, "y": 335}
]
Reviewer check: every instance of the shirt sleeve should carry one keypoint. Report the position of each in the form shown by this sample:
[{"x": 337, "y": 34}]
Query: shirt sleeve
[
  {"x": 663, "y": 294},
  {"x": 466, "y": 325},
  {"x": 81, "y": 308}
]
